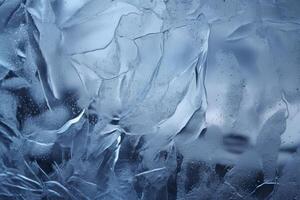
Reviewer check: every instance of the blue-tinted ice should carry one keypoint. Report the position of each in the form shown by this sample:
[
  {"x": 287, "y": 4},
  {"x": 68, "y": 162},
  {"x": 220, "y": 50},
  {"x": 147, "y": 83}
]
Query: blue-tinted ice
[{"x": 149, "y": 99}]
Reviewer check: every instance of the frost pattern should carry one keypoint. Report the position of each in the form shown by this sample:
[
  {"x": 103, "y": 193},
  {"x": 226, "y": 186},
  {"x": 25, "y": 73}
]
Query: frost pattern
[{"x": 149, "y": 99}]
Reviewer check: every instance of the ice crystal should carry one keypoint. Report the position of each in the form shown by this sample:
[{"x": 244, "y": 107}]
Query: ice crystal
[{"x": 149, "y": 99}]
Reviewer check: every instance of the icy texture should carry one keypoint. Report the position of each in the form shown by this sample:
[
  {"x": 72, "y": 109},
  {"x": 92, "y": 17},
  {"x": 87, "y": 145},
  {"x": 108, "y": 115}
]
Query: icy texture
[{"x": 149, "y": 99}]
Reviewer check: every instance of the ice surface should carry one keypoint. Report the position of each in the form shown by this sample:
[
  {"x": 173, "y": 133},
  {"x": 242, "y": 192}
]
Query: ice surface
[{"x": 149, "y": 99}]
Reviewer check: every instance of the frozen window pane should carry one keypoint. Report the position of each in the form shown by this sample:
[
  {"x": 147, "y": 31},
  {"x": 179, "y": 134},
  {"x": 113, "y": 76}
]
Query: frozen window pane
[{"x": 149, "y": 99}]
